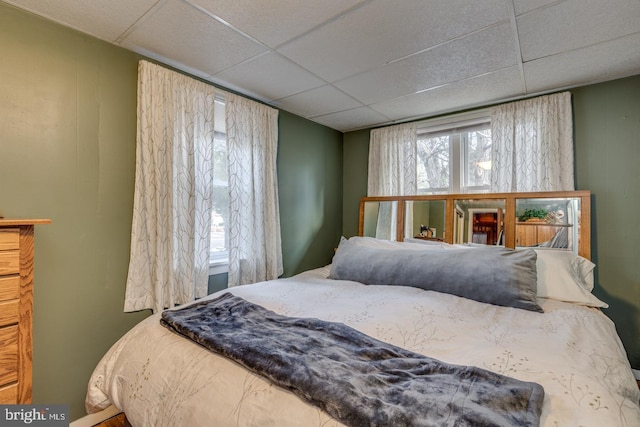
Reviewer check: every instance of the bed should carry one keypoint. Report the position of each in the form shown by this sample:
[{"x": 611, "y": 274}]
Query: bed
[{"x": 555, "y": 337}]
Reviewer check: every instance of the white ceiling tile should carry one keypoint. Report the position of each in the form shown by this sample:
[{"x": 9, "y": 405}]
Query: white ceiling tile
[
  {"x": 399, "y": 58},
  {"x": 352, "y": 119},
  {"x": 474, "y": 92},
  {"x": 275, "y": 21},
  {"x": 606, "y": 61},
  {"x": 190, "y": 37},
  {"x": 524, "y": 6},
  {"x": 382, "y": 31},
  {"x": 106, "y": 20},
  {"x": 571, "y": 25},
  {"x": 488, "y": 50},
  {"x": 319, "y": 101},
  {"x": 270, "y": 76}
]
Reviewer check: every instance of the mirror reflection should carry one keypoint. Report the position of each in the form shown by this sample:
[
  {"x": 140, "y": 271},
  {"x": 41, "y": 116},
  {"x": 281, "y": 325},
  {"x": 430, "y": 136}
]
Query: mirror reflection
[
  {"x": 381, "y": 219},
  {"x": 540, "y": 220},
  {"x": 548, "y": 223},
  {"x": 479, "y": 222},
  {"x": 425, "y": 220}
]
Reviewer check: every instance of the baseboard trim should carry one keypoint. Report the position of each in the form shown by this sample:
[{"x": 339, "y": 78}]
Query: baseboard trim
[{"x": 93, "y": 419}]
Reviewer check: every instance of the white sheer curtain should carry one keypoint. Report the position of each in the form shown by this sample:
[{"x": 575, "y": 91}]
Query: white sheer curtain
[
  {"x": 532, "y": 145},
  {"x": 255, "y": 249},
  {"x": 169, "y": 262},
  {"x": 392, "y": 161}
]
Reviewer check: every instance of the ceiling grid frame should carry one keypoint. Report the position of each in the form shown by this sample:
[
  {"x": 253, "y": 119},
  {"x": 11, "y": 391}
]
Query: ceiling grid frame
[{"x": 287, "y": 53}]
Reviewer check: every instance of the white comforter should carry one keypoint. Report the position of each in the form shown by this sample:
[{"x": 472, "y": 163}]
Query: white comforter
[{"x": 161, "y": 379}]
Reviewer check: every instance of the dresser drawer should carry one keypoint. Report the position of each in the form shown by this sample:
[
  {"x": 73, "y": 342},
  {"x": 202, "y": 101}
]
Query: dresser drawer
[
  {"x": 8, "y": 355},
  {"x": 9, "y": 262},
  {"x": 9, "y": 288},
  {"x": 9, "y": 238},
  {"x": 16, "y": 309},
  {"x": 9, "y": 312}
]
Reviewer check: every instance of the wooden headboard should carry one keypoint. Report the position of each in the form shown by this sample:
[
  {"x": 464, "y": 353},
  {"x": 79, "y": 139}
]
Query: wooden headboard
[{"x": 510, "y": 219}]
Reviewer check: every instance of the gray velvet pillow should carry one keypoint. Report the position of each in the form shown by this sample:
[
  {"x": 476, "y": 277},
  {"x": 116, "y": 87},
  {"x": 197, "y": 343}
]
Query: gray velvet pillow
[{"x": 493, "y": 275}]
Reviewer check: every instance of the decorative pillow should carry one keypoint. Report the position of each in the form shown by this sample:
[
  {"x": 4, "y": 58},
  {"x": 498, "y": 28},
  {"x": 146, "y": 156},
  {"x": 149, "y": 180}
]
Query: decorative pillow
[
  {"x": 495, "y": 276},
  {"x": 561, "y": 275},
  {"x": 565, "y": 276}
]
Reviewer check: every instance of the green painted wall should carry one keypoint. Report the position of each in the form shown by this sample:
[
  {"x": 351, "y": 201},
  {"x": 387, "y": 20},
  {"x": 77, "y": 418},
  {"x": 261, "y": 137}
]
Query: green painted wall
[
  {"x": 607, "y": 134},
  {"x": 607, "y": 150},
  {"x": 355, "y": 160},
  {"x": 67, "y": 152},
  {"x": 310, "y": 187}
]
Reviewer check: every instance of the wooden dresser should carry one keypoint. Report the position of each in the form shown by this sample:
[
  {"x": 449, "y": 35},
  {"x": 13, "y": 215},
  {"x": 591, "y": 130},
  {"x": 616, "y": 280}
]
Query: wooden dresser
[{"x": 16, "y": 308}]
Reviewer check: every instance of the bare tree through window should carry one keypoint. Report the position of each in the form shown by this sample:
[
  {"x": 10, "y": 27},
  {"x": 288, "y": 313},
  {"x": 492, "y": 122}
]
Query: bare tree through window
[
  {"x": 433, "y": 163},
  {"x": 454, "y": 160}
]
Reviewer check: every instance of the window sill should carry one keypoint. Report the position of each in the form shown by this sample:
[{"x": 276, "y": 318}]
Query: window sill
[{"x": 218, "y": 267}]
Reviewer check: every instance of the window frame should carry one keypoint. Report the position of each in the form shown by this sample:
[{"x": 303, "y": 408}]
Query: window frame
[
  {"x": 219, "y": 260},
  {"x": 454, "y": 126}
]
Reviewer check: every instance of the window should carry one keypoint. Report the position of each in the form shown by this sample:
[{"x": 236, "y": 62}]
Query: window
[
  {"x": 219, "y": 253},
  {"x": 454, "y": 154}
]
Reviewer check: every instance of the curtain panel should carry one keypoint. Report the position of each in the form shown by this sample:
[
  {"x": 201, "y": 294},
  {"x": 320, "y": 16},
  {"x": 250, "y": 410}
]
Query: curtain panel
[
  {"x": 392, "y": 161},
  {"x": 169, "y": 261},
  {"x": 532, "y": 145},
  {"x": 255, "y": 248},
  {"x": 171, "y": 227}
]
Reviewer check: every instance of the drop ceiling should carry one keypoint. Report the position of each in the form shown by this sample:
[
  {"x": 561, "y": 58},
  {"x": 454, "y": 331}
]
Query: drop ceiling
[{"x": 352, "y": 64}]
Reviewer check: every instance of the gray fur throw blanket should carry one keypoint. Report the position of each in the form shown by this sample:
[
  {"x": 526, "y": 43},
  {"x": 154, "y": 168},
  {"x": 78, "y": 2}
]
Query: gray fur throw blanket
[{"x": 357, "y": 379}]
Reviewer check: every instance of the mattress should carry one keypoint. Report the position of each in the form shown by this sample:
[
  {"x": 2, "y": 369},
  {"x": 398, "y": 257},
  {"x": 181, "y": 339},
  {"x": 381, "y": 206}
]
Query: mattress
[{"x": 159, "y": 378}]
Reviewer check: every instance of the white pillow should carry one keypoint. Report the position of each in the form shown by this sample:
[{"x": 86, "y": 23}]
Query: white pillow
[
  {"x": 443, "y": 245},
  {"x": 372, "y": 242},
  {"x": 565, "y": 276},
  {"x": 417, "y": 241},
  {"x": 584, "y": 268}
]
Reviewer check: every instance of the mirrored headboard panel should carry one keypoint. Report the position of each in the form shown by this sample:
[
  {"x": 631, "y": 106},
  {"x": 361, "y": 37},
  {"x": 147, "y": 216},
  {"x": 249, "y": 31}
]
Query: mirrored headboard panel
[
  {"x": 479, "y": 221},
  {"x": 379, "y": 219},
  {"x": 559, "y": 220},
  {"x": 425, "y": 219},
  {"x": 549, "y": 222}
]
